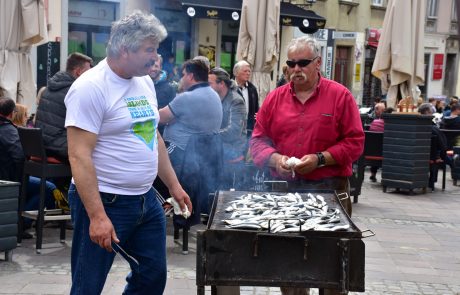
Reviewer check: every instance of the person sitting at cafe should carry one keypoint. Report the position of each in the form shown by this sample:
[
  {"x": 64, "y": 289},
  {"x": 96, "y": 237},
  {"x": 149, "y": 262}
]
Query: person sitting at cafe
[
  {"x": 378, "y": 126},
  {"x": 453, "y": 121},
  {"x": 12, "y": 157},
  {"x": 439, "y": 147}
]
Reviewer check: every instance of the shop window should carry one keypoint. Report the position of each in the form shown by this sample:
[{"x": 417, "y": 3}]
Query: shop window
[{"x": 89, "y": 40}]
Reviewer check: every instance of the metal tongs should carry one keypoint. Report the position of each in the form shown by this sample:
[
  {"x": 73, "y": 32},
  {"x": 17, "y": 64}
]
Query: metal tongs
[{"x": 133, "y": 263}]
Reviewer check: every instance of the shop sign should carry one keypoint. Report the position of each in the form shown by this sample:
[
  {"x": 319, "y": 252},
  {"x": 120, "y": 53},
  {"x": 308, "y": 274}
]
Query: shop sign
[
  {"x": 438, "y": 63},
  {"x": 358, "y": 73},
  {"x": 344, "y": 35},
  {"x": 328, "y": 70}
]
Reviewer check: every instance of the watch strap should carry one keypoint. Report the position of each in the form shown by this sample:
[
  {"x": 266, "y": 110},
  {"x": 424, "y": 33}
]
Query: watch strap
[{"x": 321, "y": 160}]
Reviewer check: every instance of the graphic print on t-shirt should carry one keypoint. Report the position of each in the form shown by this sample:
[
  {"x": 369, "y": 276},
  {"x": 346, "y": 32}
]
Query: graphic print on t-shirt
[{"x": 144, "y": 119}]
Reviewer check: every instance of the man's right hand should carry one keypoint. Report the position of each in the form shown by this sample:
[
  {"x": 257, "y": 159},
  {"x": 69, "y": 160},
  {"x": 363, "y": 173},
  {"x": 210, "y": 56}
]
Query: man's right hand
[
  {"x": 102, "y": 232},
  {"x": 281, "y": 168}
]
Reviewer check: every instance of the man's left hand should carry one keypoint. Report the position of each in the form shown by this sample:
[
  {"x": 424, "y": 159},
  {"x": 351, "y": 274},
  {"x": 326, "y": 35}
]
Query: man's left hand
[
  {"x": 307, "y": 165},
  {"x": 181, "y": 197}
]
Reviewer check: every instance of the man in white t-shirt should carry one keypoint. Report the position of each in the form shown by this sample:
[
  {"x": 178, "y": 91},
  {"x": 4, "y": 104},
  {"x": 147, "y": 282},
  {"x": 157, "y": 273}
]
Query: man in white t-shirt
[{"x": 116, "y": 152}]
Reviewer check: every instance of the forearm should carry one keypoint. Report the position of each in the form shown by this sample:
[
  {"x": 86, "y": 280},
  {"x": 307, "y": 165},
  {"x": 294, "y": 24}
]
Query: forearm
[
  {"x": 84, "y": 175},
  {"x": 165, "y": 169},
  {"x": 262, "y": 150}
]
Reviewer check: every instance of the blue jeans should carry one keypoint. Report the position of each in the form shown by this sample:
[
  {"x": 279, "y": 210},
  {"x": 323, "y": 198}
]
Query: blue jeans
[
  {"x": 33, "y": 194},
  {"x": 140, "y": 225}
]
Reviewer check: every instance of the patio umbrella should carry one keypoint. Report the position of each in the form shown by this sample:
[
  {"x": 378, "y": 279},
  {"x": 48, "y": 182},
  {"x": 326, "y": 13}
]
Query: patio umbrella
[
  {"x": 258, "y": 40},
  {"x": 22, "y": 24},
  {"x": 399, "y": 60}
]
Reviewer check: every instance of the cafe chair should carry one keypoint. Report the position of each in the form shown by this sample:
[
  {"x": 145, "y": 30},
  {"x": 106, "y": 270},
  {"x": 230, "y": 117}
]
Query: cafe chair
[
  {"x": 39, "y": 165},
  {"x": 452, "y": 137},
  {"x": 436, "y": 162},
  {"x": 373, "y": 152}
]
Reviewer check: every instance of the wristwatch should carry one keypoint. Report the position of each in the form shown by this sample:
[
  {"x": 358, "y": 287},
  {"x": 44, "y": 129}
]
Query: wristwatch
[{"x": 321, "y": 160}]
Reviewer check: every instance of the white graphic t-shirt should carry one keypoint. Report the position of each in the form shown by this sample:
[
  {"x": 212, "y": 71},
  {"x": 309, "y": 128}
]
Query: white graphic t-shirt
[{"x": 124, "y": 115}]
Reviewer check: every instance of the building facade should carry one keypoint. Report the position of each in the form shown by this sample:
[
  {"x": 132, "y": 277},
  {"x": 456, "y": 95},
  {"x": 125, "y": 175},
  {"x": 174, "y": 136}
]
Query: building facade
[{"x": 349, "y": 39}]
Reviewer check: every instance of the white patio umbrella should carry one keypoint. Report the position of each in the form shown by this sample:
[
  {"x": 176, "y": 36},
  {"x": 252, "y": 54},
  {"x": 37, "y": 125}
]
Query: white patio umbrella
[
  {"x": 22, "y": 24},
  {"x": 399, "y": 61},
  {"x": 258, "y": 40}
]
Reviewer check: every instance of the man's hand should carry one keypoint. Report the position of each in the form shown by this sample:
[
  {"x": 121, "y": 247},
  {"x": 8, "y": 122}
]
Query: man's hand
[
  {"x": 281, "y": 168},
  {"x": 101, "y": 232},
  {"x": 307, "y": 165},
  {"x": 178, "y": 193}
]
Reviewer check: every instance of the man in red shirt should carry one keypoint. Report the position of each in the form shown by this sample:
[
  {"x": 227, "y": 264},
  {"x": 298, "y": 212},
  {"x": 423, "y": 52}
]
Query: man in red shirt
[{"x": 313, "y": 119}]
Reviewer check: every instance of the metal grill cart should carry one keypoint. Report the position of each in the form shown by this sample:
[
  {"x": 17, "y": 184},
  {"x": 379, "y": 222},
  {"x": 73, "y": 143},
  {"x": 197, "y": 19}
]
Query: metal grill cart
[{"x": 315, "y": 259}]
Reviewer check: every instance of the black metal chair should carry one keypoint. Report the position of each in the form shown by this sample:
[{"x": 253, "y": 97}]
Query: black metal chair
[
  {"x": 436, "y": 162},
  {"x": 452, "y": 137},
  {"x": 39, "y": 165},
  {"x": 373, "y": 151}
]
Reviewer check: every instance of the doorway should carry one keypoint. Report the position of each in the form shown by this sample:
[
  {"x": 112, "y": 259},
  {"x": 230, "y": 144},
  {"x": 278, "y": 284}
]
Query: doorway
[{"x": 342, "y": 66}]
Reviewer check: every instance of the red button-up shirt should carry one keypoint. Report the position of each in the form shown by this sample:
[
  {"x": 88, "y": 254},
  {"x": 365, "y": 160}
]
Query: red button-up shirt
[{"x": 328, "y": 121}]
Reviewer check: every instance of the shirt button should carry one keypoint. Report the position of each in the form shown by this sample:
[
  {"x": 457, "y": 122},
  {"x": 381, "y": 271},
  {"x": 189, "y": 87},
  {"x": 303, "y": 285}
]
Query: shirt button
[
  {"x": 299, "y": 144},
  {"x": 300, "y": 129}
]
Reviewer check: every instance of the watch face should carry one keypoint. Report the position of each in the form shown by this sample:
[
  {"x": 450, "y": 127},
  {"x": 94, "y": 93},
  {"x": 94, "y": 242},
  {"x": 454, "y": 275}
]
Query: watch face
[{"x": 321, "y": 160}]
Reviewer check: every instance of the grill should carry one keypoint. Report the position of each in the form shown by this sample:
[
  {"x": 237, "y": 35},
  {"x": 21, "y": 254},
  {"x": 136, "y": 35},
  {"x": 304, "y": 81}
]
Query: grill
[{"x": 314, "y": 259}]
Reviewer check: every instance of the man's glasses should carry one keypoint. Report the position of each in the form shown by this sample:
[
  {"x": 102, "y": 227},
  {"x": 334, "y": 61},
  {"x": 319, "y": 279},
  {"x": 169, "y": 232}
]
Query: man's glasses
[{"x": 302, "y": 63}]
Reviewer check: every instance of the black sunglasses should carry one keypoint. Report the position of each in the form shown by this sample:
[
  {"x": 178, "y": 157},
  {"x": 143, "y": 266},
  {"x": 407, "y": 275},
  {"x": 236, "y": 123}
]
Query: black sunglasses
[{"x": 302, "y": 63}]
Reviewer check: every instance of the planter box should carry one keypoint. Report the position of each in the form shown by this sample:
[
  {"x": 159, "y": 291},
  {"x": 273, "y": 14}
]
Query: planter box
[
  {"x": 9, "y": 198},
  {"x": 406, "y": 151}
]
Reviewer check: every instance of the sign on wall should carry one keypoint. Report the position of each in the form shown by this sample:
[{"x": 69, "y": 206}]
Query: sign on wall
[{"x": 438, "y": 63}]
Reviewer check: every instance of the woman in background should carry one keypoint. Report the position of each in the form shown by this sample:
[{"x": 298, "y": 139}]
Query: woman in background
[{"x": 20, "y": 115}]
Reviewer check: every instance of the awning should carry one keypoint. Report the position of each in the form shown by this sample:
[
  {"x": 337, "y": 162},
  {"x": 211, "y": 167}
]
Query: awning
[
  {"x": 290, "y": 14},
  {"x": 306, "y": 20}
]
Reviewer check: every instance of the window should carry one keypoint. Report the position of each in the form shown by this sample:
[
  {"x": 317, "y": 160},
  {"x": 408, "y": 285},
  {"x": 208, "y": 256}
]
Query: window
[
  {"x": 432, "y": 8},
  {"x": 377, "y": 2},
  {"x": 454, "y": 11}
]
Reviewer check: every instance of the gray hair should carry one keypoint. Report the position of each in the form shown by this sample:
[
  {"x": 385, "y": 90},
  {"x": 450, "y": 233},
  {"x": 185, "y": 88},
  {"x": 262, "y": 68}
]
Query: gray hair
[
  {"x": 238, "y": 65},
  {"x": 132, "y": 30},
  {"x": 303, "y": 43},
  {"x": 221, "y": 76},
  {"x": 425, "y": 109}
]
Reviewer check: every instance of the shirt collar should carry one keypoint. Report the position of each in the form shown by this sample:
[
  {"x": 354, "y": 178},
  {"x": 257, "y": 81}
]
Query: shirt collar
[
  {"x": 198, "y": 85},
  {"x": 244, "y": 86}
]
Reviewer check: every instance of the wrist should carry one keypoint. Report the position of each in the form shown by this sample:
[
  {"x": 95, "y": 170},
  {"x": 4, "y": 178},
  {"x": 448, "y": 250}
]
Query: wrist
[{"x": 321, "y": 160}]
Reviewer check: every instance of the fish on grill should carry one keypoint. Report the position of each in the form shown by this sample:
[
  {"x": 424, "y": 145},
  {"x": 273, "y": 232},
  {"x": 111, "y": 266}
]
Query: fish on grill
[{"x": 282, "y": 213}]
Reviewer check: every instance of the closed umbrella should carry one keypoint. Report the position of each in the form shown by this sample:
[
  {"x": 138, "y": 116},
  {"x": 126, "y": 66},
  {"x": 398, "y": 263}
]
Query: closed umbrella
[
  {"x": 22, "y": 24},
  {"x": 258, "y": 40},
  {"x": 399, "y": 60}
]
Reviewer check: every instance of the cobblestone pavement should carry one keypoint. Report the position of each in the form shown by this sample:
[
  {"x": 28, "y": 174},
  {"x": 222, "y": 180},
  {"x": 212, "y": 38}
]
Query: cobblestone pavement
[{"x": 415, "y": 250}]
